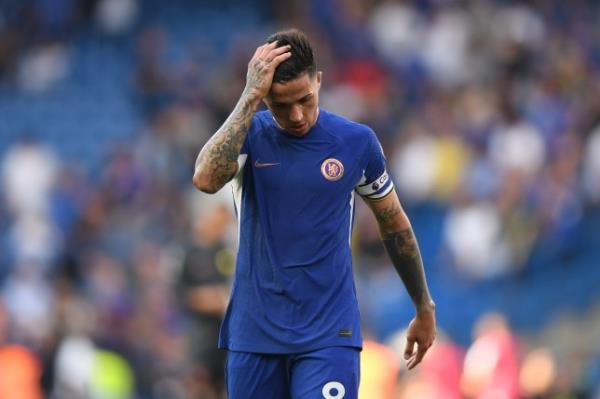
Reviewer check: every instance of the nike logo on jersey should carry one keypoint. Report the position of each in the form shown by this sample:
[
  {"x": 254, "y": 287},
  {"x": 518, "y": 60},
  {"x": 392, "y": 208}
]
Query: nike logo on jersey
[{"x": 259, "y": 164}]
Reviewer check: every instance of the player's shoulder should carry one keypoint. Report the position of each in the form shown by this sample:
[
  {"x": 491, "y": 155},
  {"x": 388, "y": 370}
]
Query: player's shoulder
[
  {"x": 333, "y": 120},
  {"x": 263, "y": 115},
  {"x": 260, "y": 126},
  {"x": 346, "y": 128},
  {"x": 261, "y": 120}
]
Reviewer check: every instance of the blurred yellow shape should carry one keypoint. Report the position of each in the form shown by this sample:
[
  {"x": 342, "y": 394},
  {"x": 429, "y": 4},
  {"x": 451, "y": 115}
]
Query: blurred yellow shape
[
  {"x": 379, "y": 369},
  {"x": 537, "y": 372},
  {"x": 453, "y": 157}
]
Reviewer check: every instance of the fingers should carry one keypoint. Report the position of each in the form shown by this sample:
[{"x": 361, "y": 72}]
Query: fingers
[
  {"x": 274, "y": 53},
  {"x": 273, "y": 56},
  {"x": 418, "y": 356},
  {"x": 414, "y": 358},
  {"x": 410, "y": 346},
  {"x": 263, "y": 50},
  {"x": 280, "y": 58},
  {"x": 269, "y": 52},
  {"x": 257, "y": 51},
  {"x": 277, "y": 56}
]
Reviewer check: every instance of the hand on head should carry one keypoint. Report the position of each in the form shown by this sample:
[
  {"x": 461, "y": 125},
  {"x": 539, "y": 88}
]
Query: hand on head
[{"x": 261, "y": 68}]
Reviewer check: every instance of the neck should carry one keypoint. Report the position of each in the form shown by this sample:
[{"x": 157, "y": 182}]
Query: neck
[{"x": 309, "y": 127}]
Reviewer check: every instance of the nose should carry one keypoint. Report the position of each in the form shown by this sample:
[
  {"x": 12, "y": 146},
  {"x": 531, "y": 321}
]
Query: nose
[{"x": 296, "y": 114}]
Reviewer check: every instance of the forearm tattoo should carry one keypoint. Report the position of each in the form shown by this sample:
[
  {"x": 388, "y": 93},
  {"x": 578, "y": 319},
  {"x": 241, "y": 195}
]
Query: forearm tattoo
[
  {"x": 403, "y": 250},
  {"x": 386, "y": 218},
  {"x": 219, "y": 155},
  {"x": 404, "y": 253}
]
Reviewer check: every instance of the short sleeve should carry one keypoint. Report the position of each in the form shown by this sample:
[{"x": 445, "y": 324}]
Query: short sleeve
[
  {"x": 375, "y": 181},
  {"x": 245, "y": 145},
  {"x": 244, "y": 151},
  {"x": 243, "y": 154}
]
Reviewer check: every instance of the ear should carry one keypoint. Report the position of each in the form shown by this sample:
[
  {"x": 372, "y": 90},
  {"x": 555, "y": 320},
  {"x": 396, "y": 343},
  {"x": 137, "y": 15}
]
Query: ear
[{"x": 319, "y": 77}]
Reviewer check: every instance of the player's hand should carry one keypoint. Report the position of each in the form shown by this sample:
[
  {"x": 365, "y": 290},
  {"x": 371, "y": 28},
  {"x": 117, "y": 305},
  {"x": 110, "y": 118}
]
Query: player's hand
[
  {"x": 262, "y": 67},
  {"x": 421, "y": 331}
]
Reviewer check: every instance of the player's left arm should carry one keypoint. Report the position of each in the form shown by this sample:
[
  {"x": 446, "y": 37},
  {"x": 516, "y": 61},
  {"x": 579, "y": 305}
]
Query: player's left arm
[{"x": 402, "y": 247}]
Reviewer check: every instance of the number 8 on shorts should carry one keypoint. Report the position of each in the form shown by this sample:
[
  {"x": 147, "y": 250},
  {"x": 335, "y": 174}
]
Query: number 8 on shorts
[{"x": 333, "y": 390}]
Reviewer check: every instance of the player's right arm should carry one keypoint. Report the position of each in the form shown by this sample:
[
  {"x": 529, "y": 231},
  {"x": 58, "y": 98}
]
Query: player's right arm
[{"x": 217, "y": 161}]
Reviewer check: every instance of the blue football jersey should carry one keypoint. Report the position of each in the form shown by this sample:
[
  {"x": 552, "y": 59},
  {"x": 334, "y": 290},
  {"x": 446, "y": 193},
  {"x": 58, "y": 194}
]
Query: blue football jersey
[{"x": 293, "y": 289}]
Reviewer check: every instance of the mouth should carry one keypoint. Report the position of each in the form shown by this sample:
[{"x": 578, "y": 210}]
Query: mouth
[{"x": 298, "y": 128}]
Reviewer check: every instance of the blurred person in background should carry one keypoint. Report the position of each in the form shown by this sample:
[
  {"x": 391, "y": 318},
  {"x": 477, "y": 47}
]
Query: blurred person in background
[
  {"x": 29, "y": 172},
  {"x": 204, "y": 289},
  {"x": 491, "y": 366},
  {"x": 20, "y": 368},
  {"x": 292, "y": 325}
]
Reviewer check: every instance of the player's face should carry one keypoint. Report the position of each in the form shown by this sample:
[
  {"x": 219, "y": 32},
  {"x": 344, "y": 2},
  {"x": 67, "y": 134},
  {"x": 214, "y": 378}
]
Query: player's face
[{"x": 295, "y": 104}]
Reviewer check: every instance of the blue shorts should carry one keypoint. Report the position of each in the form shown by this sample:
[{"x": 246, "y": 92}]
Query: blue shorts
[{"x": 330, "y": 373}]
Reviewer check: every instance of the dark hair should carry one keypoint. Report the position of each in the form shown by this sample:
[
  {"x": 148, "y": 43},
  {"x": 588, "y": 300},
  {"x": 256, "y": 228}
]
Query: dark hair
[{"x": 302, "y": 59}]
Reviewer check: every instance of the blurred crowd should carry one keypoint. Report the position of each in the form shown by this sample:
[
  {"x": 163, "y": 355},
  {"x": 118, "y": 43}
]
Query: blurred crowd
[{"x": 113, "y": 280}]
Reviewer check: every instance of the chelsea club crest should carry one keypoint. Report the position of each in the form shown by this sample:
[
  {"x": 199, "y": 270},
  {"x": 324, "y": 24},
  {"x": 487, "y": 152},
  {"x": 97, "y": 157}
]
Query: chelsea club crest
[{"x": 332, "y": 169}]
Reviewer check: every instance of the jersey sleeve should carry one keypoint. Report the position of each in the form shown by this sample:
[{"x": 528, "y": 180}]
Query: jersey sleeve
[
  {"x": 375, "y": 182},
  {"x": 245, "y": 150},
  {"x": 243, "y": 154}
]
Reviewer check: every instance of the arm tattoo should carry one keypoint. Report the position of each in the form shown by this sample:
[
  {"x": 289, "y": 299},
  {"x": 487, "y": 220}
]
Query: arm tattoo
[
  {"x": 403, "y": 250},
  {"x": 404, "y": 253},
  {"x": 386, "y": 217},
  {"x": 219, "y": 155}
]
